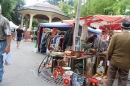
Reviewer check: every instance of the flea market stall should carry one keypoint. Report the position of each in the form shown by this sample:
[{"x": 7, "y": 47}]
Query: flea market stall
[
  {"x": 57, "y": 41},
  {"x": 79, "y": 67}
]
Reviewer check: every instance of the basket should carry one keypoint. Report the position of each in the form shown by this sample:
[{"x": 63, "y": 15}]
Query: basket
[
  {"x": 78, "y": 54},
  {"x": 68, "y": 53},
  {"x": 57, "y": 53},
  {"x": 62, "y": 63}
]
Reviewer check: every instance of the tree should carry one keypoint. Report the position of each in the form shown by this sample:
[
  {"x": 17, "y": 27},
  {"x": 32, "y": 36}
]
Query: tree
[
  {"x": 120, "y": 7},
  {"x": 65, "y": 5},
  {"x": 75, "y": 7},
  {"x": 106, "y": 7},
  {"x": 7, "y": 7},
  {"x": 92, "y": 7},
  {"x": 34, "y": 23},
  {"x": 66, "y": 8},
  {"x": 15, "y": 16}
]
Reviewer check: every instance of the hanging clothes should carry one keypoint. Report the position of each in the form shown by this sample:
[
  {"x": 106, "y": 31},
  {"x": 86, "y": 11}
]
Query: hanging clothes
[
  {"x": 54, "y": 31},
  {"x": 42, "y": 37},
  {"x": 68, "y": 39},
  {"x": 39, "y": 32},
  {"x": 42, "y": 46},
  {"x": 65, "y": 40}
]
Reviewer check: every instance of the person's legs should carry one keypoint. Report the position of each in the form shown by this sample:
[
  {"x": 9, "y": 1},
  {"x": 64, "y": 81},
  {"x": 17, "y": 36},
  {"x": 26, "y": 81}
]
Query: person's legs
[
  {"x": 18, "y": 41},
  {"x": 123, "y": 77},
  {"x": 111, "y": 74},
  {"x": 2, "y": 50},
  {"x": 100, "y": 64},
  {"x": 105, "y": 46}
]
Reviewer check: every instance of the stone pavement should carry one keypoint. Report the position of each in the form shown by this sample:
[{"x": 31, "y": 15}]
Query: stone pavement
[{"x": 20, "y": 73}]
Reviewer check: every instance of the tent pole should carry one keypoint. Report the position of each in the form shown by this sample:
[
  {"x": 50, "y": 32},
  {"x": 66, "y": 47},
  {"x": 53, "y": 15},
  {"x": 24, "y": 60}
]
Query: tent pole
[{"x": 77, "y": 21}]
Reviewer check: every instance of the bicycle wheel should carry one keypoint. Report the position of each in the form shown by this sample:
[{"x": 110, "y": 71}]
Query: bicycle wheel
[
  {"x": 48, "y": 60},
  {"x": 42, "y": 65}
]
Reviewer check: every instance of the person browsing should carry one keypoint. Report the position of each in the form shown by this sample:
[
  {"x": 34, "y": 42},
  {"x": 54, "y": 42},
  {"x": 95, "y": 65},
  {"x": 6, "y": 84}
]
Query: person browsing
[{"x": 119, "y": 56}]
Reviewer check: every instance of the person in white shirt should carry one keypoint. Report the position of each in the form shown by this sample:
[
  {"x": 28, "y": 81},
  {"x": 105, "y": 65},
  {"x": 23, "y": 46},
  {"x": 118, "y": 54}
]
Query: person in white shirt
[{"x": 103, "y": 41}]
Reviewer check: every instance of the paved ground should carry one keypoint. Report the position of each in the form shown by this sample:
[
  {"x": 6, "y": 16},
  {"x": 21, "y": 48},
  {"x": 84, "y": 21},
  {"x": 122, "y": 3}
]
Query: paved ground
[{"x": 20, "y": 73}]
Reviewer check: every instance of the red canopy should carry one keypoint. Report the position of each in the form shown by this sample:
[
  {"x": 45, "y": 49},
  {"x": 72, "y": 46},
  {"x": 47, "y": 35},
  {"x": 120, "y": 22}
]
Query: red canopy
[
  {"x": 114, "y": 20},
  {"x": 86, "y": 17},
  {"x": 113, "y": 26},
  {"x": 108, "y": 18},
  {"x": 122, "y": 19}
]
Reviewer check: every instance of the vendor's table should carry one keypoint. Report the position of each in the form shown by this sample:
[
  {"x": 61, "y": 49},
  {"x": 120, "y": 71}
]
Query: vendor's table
[
  {"x": 55, "y": 58},
  {"x": 85, "y": 66}
]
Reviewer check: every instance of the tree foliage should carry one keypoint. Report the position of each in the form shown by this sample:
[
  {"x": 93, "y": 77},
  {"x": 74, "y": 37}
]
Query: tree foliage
[
  {"x": 66, "y": 8},
  {"x": 35, "y": 23},
  {"x": 106, "y": 7},
  {"x": 9, "y": 9},
  {"x": 16, "y": 17},
  {"x": 65, "y": 5}
]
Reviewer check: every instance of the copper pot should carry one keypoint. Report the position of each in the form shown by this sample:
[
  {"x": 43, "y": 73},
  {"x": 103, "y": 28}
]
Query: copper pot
[
  {"x": 62, "y": 63},
  {"x": 77, "y": 53},
  {"x": 93, "y": 51},
  {"x": 68, "y": 53}
]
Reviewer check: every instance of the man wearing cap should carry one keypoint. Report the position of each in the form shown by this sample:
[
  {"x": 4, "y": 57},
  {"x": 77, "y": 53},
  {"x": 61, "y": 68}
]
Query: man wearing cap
[
  {"x": 5, "y": 40},
  {"x": 119, "y": 56}
]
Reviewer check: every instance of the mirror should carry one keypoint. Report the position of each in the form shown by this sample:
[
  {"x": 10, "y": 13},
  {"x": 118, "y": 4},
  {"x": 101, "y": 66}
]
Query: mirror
[
  {"x": 101, "y": 64},
  {"x": 90, "y": 65}
]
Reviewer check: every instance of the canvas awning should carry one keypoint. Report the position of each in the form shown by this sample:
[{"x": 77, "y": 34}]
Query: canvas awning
[
  {"x": 105, "y": 21},
  {"x": 12, "y": 25},
  {"x": 59, "y": 26},
  {"x": 108, "y": 18}
]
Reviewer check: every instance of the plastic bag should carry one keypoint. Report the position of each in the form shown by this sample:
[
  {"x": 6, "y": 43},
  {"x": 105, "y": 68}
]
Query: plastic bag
[{"x": 7, "y": 59}]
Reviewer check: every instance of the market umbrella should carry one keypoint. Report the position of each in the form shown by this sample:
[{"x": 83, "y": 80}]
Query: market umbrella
[
  {"x": 108, "y": 26},
  {"x": 12, "y": 25},
  {"x": 101, "y": 20},
  {"x": 108, "y": 18}
]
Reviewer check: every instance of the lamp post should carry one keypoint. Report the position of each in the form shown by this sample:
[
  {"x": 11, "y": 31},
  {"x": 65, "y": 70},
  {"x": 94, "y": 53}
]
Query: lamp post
[{"x": 77, "y": 21}]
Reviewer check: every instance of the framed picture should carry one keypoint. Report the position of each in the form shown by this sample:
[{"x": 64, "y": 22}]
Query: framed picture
[{"x": 77, "y": 43}]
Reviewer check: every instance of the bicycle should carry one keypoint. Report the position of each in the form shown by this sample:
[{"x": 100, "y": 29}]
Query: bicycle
[{"x": 48, "y": 58}]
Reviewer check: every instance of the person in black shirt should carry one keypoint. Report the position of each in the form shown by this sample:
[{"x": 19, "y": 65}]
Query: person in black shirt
[
  {"x": 89, "y": 44},
  {"x": 91, "y": 40},
  {"x": 19, "y": 35}
]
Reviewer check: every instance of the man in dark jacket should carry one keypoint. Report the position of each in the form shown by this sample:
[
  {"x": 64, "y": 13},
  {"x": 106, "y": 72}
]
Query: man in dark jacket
[{"x": 119, "y": 56}]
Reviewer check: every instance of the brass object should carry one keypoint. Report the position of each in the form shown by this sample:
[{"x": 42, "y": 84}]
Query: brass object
[
  {"x": 62, "y": 63},
  {"x": 101, "y": 63},
  {"x": 77, "y": 53},
  {"x": 93, "y": 51}
]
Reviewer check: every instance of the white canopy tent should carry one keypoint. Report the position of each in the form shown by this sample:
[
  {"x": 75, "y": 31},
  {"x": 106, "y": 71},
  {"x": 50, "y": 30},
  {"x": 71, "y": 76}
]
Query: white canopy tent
[{"x": 12, "y": 25}]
